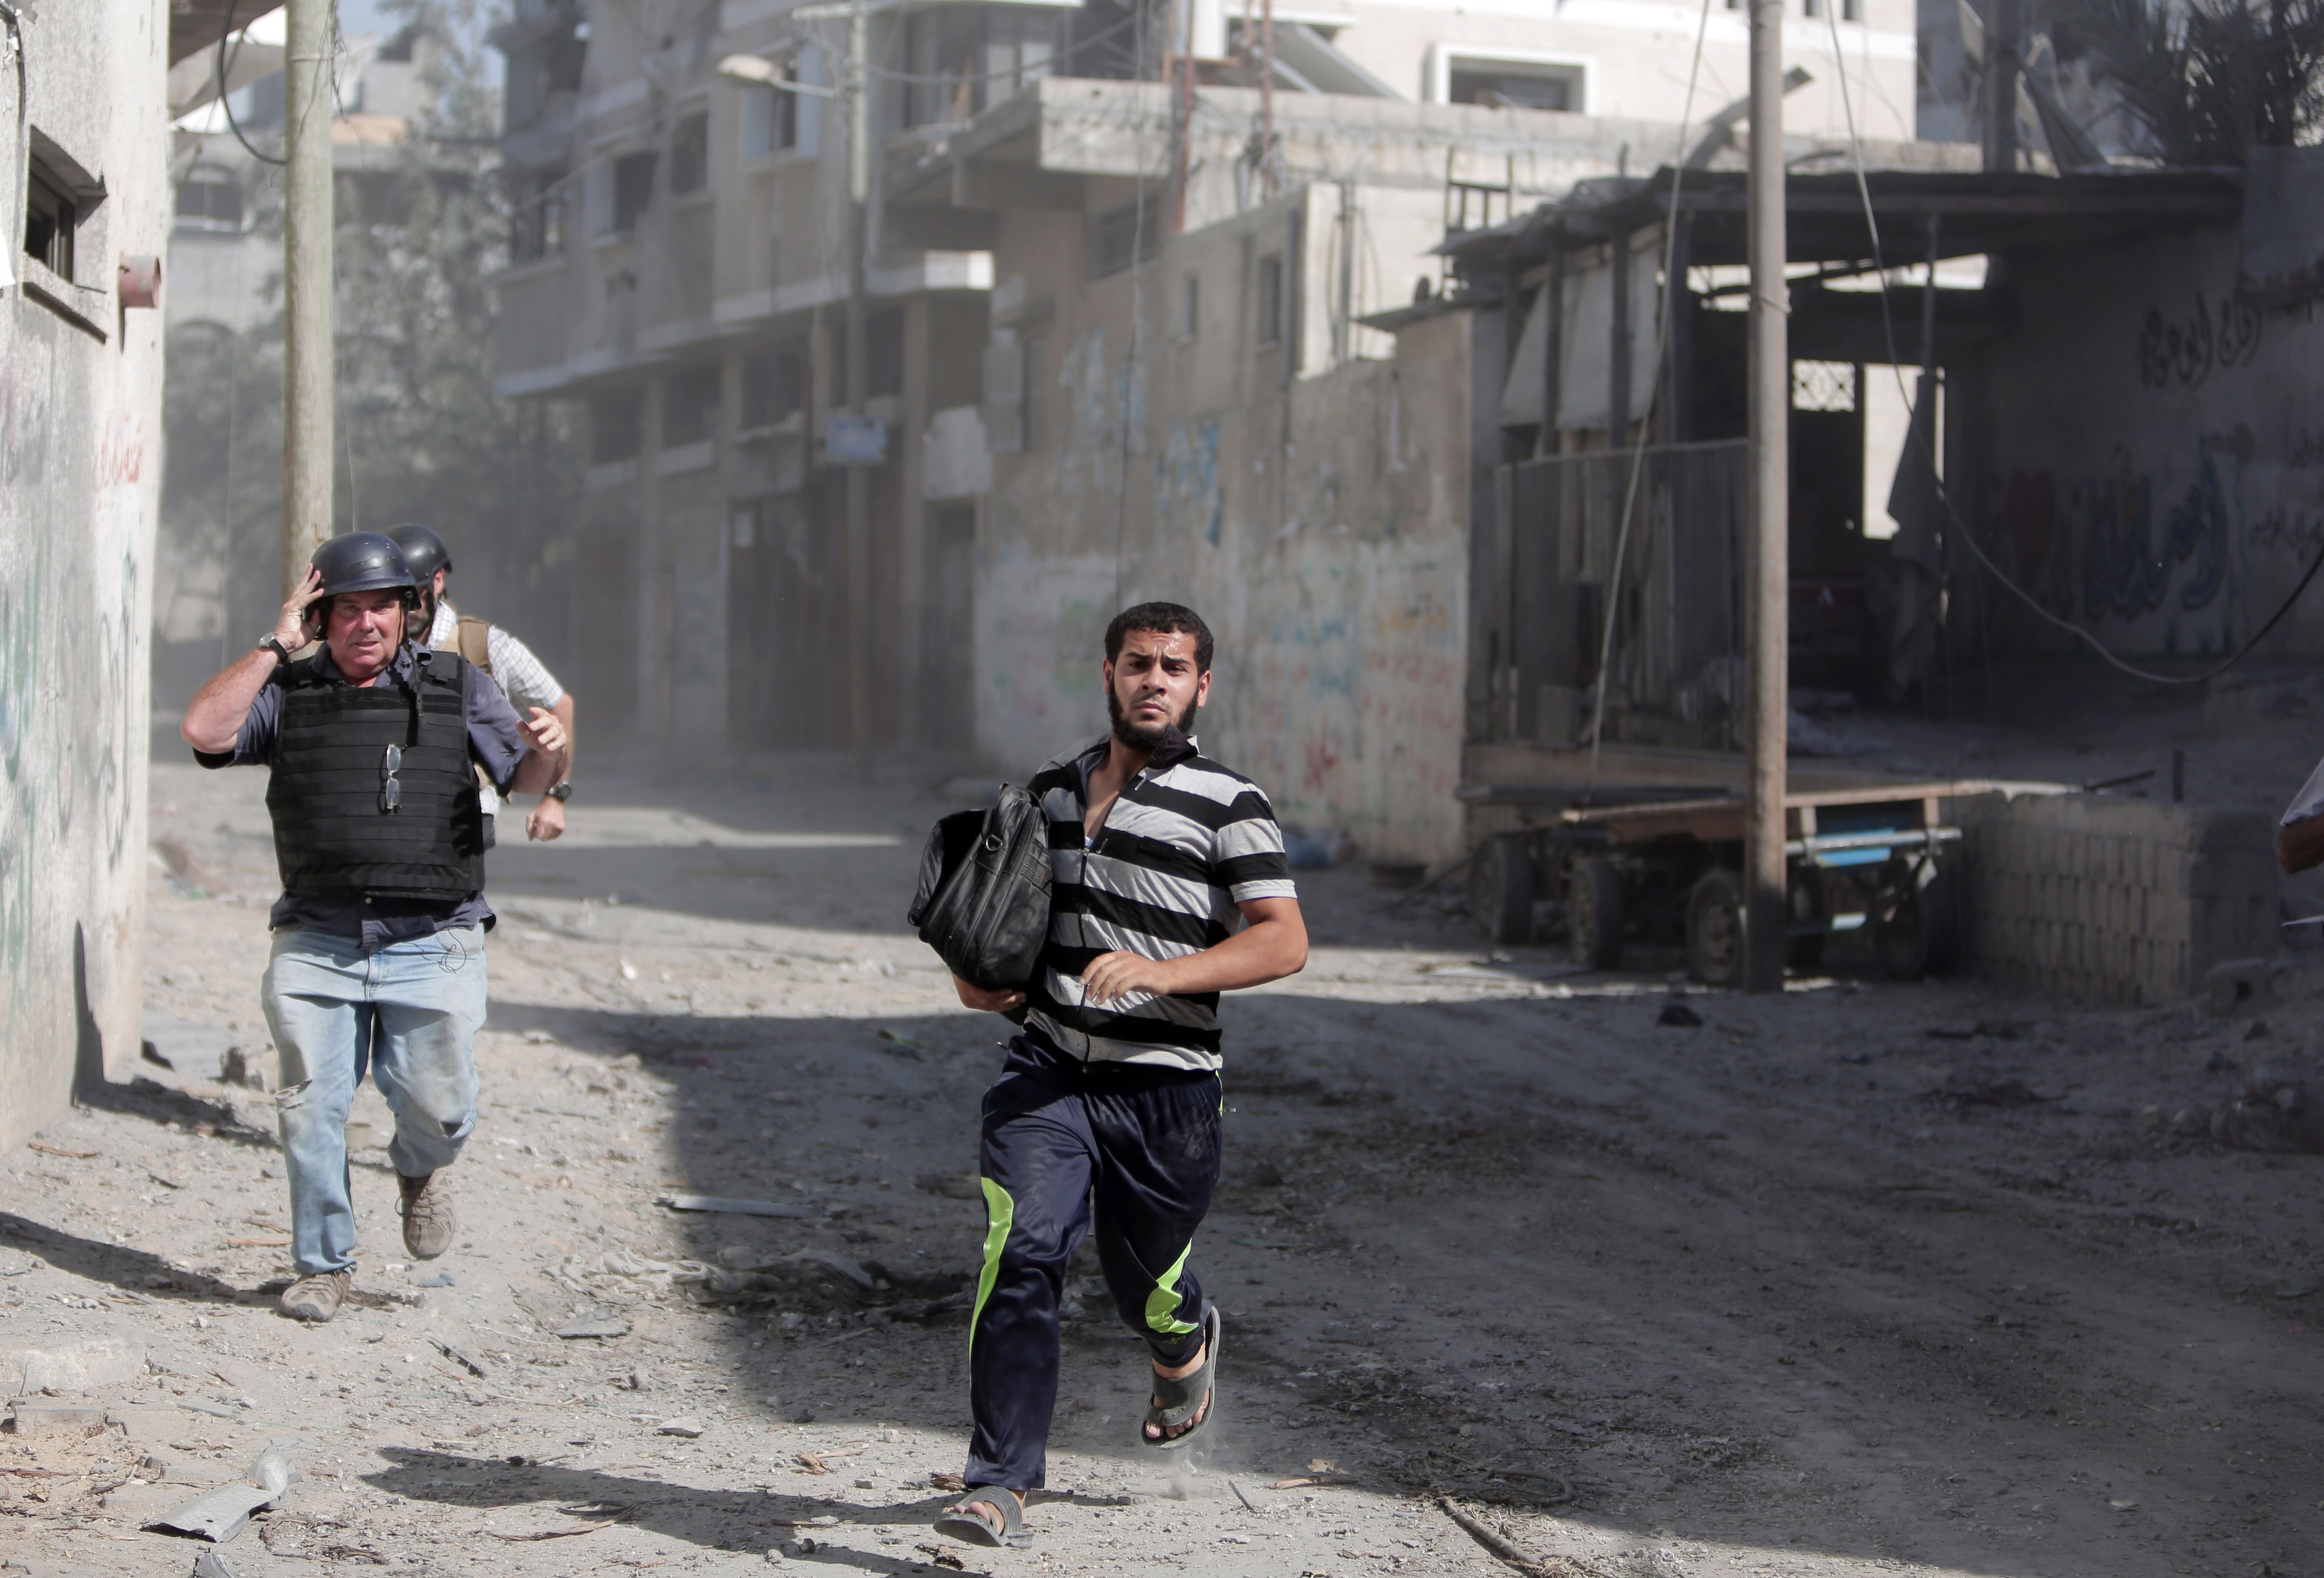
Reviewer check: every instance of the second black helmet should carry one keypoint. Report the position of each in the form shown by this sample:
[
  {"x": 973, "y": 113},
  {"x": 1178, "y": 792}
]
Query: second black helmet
[{"x": 423, "y": 551}]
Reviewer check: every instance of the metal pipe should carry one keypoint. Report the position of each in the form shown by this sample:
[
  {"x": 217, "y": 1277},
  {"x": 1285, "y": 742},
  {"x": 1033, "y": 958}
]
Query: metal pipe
[{"x": 1767, "y": 598}]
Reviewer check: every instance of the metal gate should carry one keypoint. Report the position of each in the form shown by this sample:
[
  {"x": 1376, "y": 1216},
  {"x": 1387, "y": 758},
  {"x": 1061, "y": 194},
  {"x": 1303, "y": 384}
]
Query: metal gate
[{"x": 1675, "y": 672}]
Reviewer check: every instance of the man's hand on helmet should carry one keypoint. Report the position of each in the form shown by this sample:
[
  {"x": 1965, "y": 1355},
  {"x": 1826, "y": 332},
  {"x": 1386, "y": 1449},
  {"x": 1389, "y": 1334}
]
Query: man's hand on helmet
[{"x": 292, "y": 629}]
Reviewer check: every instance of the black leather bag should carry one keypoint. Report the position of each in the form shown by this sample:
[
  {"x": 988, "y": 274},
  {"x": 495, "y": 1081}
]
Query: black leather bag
[{"x": 984, "y": 898}]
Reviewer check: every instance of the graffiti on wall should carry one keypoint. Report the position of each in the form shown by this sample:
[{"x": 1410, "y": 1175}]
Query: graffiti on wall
[
  {"x": 2185, "y": 350},
  {"x": 2130, "y": 558},
  {"x": 2128, "y": 544},
  {"x": 1186, "y": 478}
]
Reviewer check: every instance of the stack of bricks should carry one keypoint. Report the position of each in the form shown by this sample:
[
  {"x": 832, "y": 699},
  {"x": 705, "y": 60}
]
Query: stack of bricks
[{"x": 2111, "y": 900}]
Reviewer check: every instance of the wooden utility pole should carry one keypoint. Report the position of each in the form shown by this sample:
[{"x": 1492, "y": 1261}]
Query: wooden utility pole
[
  {"x": 859, "y": 476},
  {"x": 1998, "y": 71},
  {"x": 1767, "y": 592},
  {"x": 306, "y": 355}
]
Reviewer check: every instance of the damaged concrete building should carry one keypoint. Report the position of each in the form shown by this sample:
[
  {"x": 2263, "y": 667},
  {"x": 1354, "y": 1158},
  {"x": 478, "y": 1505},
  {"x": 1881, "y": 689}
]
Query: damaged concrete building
[
  {"x": 87, "y": 175},
  {"x": 1100, "y": 299}
]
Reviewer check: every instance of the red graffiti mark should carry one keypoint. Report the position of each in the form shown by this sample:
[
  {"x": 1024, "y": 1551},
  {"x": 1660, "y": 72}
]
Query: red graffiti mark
[
  {"x": 120, "y": 451},
  {"x": 1321, "y": 764},
  {"x": 2030, "y": 521}
]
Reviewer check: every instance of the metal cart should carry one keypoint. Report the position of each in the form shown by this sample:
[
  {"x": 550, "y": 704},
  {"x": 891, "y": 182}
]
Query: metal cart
[{"x": 1668, "y": 862}]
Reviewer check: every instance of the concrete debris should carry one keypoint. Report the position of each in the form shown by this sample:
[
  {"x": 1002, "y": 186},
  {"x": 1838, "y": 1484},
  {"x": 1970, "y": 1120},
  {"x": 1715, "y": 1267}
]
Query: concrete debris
[
  {"x": 2243, "y": 985},
  {"x": 686, "y": 1426},
  {"x": 211, "y": 1565},
  {"x": 723, "y": 1204},
  {"x": 89, "y": 1365},
  {"x": 951, "y": 1186},
  {"x": 1973, "y": 1091},
  {"x": 594, "y": 1329},
  {"x": 1680, "y": 1016},
  {"x": 55, "y": 1419},
  {"x": 2271, "y": 1115},
  {"x": 216, "y": 1516}
]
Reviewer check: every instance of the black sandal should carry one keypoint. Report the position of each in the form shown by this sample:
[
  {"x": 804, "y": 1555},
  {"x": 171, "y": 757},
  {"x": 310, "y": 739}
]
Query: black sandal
[
  {"x": 968, "y": 1529},
  {"x": 1179, "y": 1399}
]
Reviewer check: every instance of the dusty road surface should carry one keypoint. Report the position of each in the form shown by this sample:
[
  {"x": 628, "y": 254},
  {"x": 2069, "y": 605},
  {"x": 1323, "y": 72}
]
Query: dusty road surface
[{"x": 1868, "y": 1279}]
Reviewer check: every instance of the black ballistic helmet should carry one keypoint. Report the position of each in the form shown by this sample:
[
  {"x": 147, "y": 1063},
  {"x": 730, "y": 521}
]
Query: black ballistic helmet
[
  {"x": 363, "y": 561},
  {"x": 424, "y": 552}
]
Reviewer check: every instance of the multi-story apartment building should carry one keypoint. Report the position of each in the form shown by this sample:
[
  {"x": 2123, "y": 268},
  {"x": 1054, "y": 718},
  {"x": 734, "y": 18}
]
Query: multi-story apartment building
[{"x": 680, "y": 267}]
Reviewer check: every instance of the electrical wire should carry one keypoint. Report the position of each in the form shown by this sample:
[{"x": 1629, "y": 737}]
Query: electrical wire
[
  {"x": 1944, "y": 495},
  {"x": 225, "y": 99},
  {"x": 1672, "y": 289}
]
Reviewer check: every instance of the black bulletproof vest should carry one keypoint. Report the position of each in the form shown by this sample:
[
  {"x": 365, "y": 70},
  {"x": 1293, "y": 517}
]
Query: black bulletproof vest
[{"x": 330, "y": 837}]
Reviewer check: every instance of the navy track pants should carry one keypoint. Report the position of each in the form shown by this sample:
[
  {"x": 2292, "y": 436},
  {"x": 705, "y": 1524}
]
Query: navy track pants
[{"x": 1140, "y": 1143}]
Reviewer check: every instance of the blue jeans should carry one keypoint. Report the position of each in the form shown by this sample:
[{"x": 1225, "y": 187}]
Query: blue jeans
[{"x": 410, "y": 1012}]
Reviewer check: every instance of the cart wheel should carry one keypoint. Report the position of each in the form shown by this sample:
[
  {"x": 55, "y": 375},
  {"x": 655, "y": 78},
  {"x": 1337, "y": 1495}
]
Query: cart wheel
[
  {"x": 1804, "y": 898},
  {"x": 1921, "y": 934},
  {"x": 1500, "y": 890},
  {"x": 1594, "y": 914},
  {"x": 1715, "y": 952}
]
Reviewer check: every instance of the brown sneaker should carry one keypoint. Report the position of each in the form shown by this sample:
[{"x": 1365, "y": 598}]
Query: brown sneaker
[
  {"x": 428, "y": 1220},
  {"x": 317, "y": 1297}
]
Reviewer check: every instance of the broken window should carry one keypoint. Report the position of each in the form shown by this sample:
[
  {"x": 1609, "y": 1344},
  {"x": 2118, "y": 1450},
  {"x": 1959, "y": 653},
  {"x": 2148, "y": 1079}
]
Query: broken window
[
  {"x": 961, "y": 59},
  {"x": 631, "y": 177},
  {"x": 1506, "y": 83},
  {"x": 774, "y": 386},
  {"x": 537, "y": 216},
  {"x": 1270, "y": 299},
  {"x": 689, "y": 406},
  {"x": 689, "y": 154},
  {"x": 1122, "y": 235}
]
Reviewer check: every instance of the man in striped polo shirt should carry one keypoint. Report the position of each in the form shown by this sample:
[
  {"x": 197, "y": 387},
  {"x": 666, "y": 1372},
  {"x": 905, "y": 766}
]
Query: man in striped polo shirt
[{"x": 1170, "y": 886}]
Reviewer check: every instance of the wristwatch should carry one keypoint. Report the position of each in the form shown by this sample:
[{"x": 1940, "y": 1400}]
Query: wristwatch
[
  {"x": 268, "y": 642},
  {"x": 563, "y": 791}
]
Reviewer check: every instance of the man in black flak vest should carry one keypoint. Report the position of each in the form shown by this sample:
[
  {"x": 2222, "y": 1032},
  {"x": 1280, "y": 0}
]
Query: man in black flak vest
[{"x": 378, "y": 959}]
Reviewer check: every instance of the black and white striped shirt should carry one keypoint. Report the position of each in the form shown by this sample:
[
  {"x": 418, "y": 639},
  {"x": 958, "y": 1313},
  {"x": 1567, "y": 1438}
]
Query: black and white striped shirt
[{"x": 1185, "y": 843}]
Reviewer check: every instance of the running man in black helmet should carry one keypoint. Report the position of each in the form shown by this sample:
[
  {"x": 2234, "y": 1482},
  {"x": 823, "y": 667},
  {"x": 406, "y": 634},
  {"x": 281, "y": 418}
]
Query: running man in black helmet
[
  {"x": 524, "y": 678},
  {"x": 378, "y": 958}
]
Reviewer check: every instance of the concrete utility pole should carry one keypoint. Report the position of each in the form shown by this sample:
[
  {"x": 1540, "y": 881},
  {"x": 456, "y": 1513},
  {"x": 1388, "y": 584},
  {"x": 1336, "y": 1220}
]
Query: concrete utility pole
[
  {"x": 1767, "y": 592},
  {"x": 859, "y": 477},
  {"x": 306, "y": 355}
]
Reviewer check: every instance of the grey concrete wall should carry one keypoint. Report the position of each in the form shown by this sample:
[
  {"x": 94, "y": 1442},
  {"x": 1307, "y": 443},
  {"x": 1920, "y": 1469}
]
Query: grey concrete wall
[
  {"x": 2156, "y": 448},
  {"x": 2113, "y": 900},
  {"x": 80, "y": 408},
  {"x": 1320, "y": 524}
]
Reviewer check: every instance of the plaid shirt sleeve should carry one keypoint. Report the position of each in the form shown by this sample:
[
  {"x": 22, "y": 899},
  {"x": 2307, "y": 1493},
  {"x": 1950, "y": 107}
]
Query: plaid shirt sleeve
[{"x": 525, "y": 677}]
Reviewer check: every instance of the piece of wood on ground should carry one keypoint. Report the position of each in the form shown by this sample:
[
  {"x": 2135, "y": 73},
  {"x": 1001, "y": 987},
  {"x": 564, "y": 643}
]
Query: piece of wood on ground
[{"x": 1507, "y": 1553}]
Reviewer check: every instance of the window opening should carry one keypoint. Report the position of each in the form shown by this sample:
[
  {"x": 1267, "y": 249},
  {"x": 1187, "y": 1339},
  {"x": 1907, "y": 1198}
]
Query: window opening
[
  {"x": 689, "y": 154},
  {"x": 52, "y": 215},
  {"x": 633, "y": 177},
  {"x": 1270, "y": 299},
  {"x": 689, "y": 406},
  {"x": 1514, "y": 84}
]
